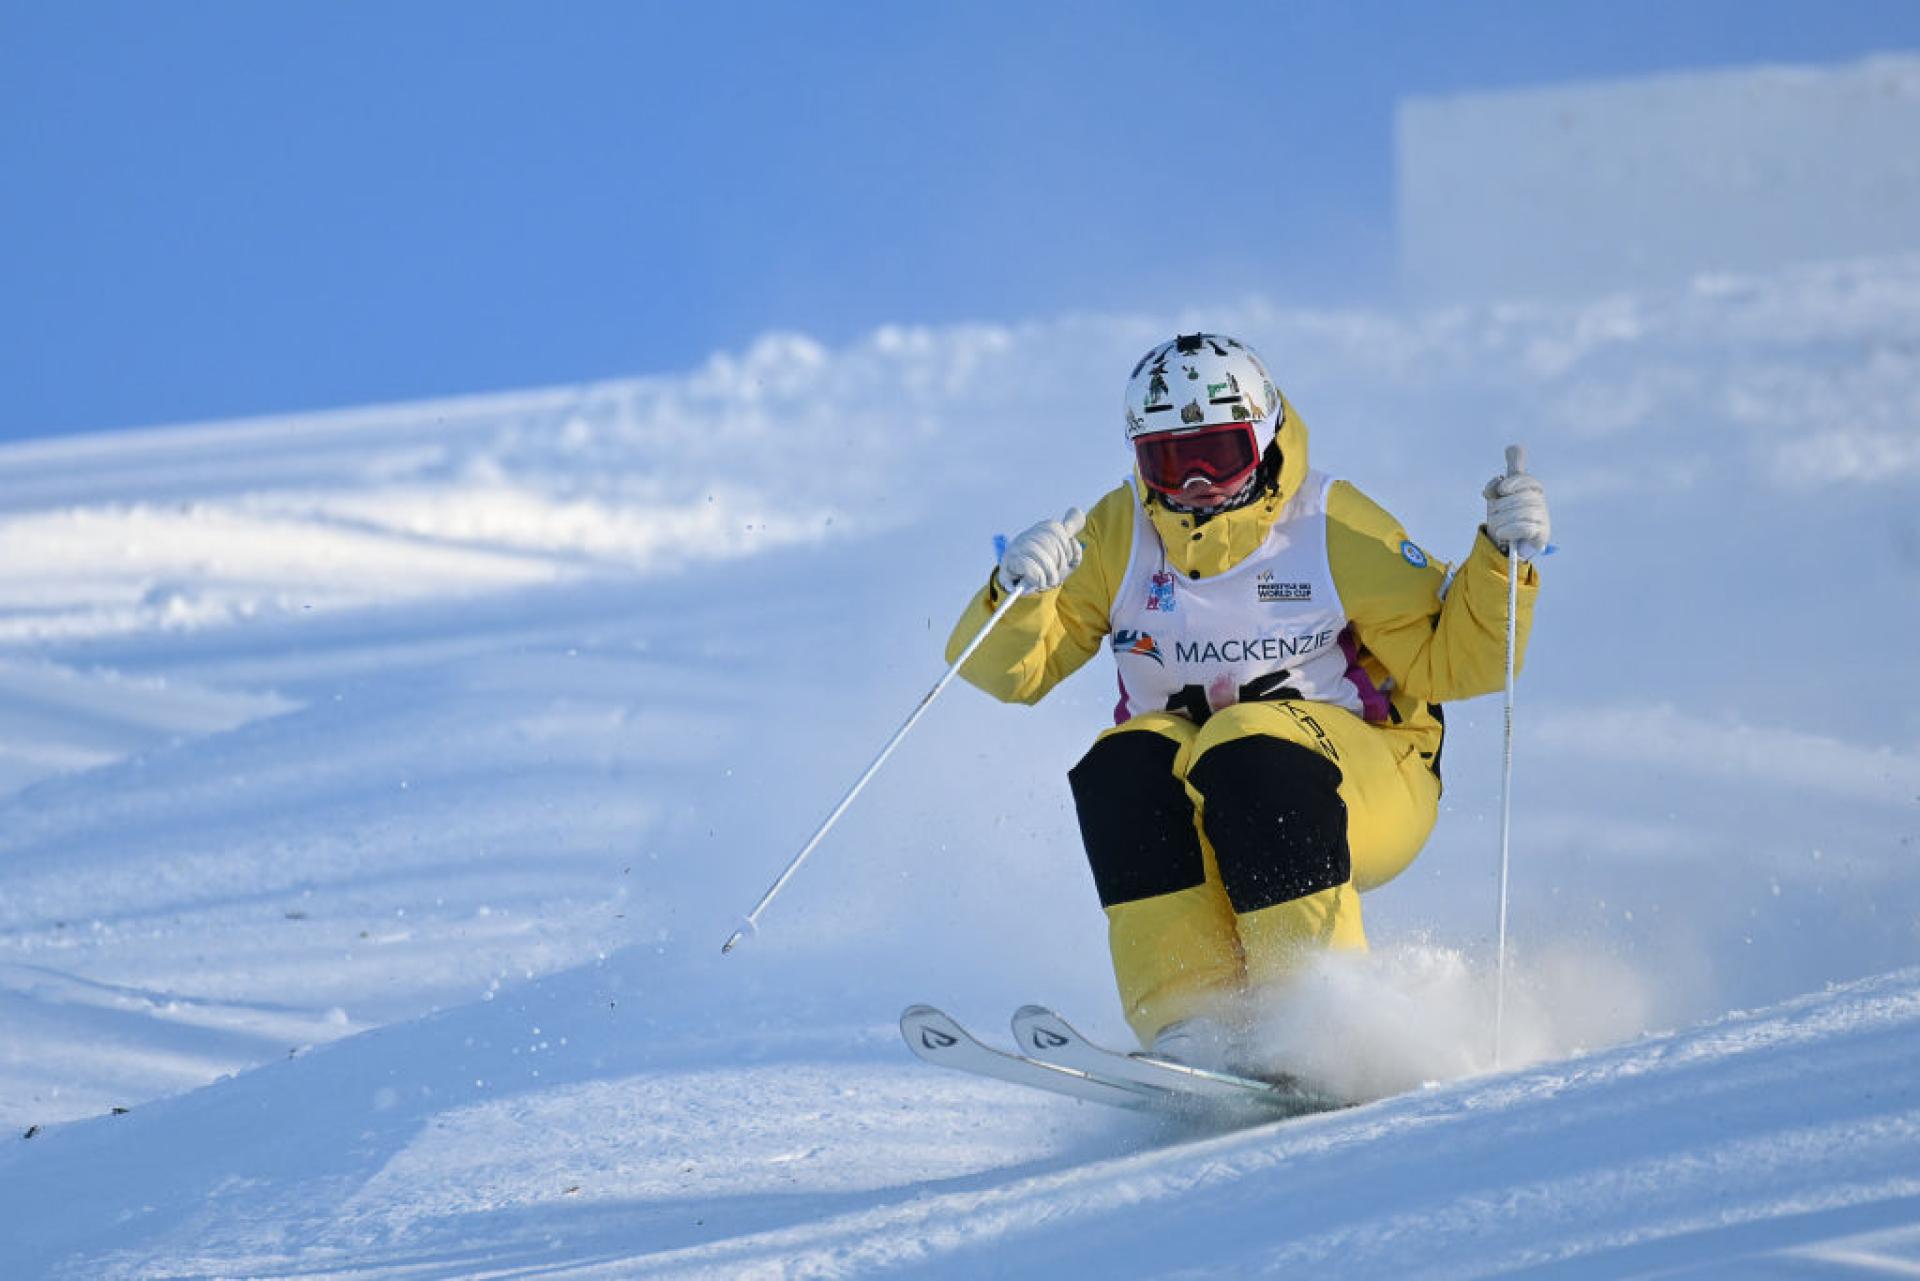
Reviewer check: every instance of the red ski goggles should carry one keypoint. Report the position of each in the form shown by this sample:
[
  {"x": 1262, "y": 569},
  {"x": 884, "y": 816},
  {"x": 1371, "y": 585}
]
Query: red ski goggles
[{"x": 1221, "y": 455}]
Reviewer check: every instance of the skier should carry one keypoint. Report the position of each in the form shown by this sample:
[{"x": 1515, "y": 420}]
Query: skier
[{"x": 1283, "y": 648}]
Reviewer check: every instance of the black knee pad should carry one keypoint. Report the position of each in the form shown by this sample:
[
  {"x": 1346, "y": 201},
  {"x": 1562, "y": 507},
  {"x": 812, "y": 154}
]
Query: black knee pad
[
  {"x": 1136, "y": 818},
  {"x": 1275, "y": 819}
]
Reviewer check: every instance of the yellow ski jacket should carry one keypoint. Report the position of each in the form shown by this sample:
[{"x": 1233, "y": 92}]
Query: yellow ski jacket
[{"x": 1423, "y": 640}]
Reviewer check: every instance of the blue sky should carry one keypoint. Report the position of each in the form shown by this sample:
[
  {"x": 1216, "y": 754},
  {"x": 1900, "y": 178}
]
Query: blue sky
[{"x": 216, "y": 209}]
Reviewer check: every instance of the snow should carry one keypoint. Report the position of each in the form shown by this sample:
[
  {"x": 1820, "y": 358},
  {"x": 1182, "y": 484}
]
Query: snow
[{"x": 377, "y": 787}]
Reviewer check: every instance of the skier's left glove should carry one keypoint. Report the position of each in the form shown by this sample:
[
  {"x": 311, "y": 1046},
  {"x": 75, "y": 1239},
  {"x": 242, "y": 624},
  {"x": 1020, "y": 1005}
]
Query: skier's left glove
[{"x": 1517, "y": 512}]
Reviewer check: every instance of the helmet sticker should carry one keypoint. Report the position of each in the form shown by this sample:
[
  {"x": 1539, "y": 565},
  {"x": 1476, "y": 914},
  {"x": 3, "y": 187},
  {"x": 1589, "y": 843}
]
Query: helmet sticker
[
  {"x": 1225, "y": 393},
  {"x": 1189, "y": 344},
  {"x": 1156, "y": 389}
]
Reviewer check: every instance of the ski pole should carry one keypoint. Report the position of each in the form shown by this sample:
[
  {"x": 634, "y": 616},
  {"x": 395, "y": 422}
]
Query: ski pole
[
  {"x": 749, "y": 924},
  {"x": 1516, "y": 463}
]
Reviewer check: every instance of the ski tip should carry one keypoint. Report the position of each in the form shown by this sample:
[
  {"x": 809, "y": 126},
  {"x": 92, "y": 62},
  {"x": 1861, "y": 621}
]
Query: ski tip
[
  {"x": 929, "y": 1033},
  {"x": 1034, "y": 1012},
  {"x": 915, "y": 1016}
]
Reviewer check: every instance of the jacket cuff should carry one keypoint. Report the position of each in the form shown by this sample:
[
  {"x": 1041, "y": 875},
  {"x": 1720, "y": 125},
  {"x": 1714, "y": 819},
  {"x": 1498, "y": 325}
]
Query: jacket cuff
[{"x": 1528, "y": 574}]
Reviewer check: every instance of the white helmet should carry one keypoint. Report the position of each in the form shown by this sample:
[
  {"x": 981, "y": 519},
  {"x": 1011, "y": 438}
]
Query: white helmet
[{"x": 1200, "y": 406}]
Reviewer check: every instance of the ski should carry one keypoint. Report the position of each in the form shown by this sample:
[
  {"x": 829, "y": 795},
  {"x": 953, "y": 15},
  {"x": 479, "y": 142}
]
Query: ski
[
  {"x": 935, "y": 1037},
  {"x": 1047, "y": 1038},
  {"x": 1061, "y": 1061}
]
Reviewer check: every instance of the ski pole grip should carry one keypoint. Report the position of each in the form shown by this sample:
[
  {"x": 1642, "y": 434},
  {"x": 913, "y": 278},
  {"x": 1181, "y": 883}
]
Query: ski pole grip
[{"x": 1516, "y": 459}]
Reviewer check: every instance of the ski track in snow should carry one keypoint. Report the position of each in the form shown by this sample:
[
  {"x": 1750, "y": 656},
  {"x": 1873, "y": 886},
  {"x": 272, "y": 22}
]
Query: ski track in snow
[{"x": 376, "y": 788}]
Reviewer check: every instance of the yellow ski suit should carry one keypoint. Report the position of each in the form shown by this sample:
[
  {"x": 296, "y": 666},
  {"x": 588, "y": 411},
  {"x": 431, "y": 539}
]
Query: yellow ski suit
[{"x": 1188, "y": 934}]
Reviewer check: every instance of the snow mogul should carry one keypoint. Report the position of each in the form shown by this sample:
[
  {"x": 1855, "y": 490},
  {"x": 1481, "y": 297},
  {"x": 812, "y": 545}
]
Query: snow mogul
[{"x": 1283, "y": 649}]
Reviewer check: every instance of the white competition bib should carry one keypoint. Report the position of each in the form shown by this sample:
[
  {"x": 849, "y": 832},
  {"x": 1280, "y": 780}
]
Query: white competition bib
[{"x": 1272, "y": 627}]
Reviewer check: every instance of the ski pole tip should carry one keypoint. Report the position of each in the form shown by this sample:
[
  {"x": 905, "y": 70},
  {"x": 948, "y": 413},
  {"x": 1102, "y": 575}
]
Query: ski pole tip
[{"x": 746, "y": 931}]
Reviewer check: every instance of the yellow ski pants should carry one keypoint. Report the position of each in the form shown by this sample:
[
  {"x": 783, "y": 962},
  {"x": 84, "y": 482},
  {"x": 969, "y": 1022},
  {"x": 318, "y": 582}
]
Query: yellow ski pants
[{"x": 1224, "y": 852}]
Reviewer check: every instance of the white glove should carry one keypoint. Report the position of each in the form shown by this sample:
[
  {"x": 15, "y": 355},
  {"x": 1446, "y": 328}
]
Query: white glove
[
  {"x": 1043, "y": 556},
  {"x": 1517, "y": 508}
]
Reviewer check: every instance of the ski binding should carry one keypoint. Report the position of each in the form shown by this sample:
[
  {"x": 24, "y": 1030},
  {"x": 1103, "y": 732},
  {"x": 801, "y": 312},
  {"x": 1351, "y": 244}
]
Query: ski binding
[{"x": 1048, "y": 1038}]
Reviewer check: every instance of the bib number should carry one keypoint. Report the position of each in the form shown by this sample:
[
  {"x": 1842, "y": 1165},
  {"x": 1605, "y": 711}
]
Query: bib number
[{"x": 1191, "y": 702}]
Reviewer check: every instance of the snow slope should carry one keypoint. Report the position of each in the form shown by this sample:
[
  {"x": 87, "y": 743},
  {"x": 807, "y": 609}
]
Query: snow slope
[{"x": 378, "y": 788}]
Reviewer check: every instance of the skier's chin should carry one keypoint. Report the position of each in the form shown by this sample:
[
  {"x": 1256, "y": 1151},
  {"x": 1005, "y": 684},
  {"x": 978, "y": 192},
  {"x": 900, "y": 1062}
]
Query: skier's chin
[{"x": 1203, "y": 496}]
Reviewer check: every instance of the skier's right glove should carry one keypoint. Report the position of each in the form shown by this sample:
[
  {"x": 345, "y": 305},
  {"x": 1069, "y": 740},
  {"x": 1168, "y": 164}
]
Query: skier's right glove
[{"x": 1042, "y": 557}]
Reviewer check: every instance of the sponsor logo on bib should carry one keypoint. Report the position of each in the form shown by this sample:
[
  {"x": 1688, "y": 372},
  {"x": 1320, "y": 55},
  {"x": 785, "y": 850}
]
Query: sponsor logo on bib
[
  {"x": 1129, "y": 641},
  {"x": 1248, "y": 649}
]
